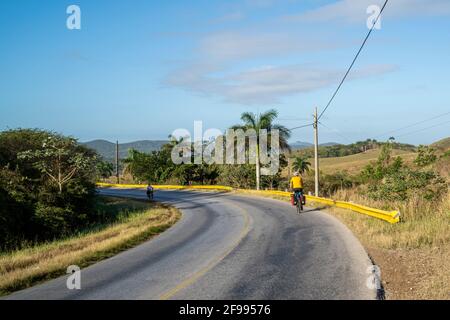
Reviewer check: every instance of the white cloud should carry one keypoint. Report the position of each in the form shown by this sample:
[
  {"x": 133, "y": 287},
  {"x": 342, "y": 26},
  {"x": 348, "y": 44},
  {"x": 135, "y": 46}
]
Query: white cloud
[
  {"x": 217, "y": 67},
  {"x": 231, "y": 46},
  {"x": 264, "y": 85},
  {"x": 354, "y": 11}
]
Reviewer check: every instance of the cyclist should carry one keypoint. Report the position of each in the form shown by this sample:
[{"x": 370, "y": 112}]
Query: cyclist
[
  {"x": 296, "y": 185},
  {"x": 150, "y": 191}
]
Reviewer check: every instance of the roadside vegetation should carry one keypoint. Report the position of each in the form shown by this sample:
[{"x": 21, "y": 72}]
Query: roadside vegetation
[
  {"x": 127, "y": 223},
  {"x": 47, "y": 187},
  {"x": 413, "y": 254}
]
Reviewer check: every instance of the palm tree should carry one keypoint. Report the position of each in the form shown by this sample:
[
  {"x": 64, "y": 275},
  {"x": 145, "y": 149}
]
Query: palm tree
[
  {"x": 301, "y": 165},
  {"x": 259, "y": 122}
]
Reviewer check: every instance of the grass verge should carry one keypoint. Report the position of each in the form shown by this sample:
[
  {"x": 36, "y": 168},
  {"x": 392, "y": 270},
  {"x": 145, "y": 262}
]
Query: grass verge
[{"x": 138, "y": 221}]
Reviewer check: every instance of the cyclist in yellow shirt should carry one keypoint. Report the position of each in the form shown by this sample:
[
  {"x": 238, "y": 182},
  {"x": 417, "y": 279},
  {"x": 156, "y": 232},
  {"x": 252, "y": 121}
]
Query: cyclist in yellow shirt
[{"x": 296, "y": 185}]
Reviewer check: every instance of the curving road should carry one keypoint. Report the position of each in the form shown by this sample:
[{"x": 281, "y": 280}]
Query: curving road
[{"x": 228, "y": 246}]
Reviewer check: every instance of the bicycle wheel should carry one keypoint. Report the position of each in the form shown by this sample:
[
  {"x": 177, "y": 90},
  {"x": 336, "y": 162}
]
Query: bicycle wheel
[{"x": 299, "y": 203}]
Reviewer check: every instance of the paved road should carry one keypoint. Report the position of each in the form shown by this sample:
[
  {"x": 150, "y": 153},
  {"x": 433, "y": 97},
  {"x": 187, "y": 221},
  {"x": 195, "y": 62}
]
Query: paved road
[{"x": 228, "y": 246}]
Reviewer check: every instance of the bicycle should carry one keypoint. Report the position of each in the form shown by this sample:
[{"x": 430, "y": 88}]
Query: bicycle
[
  {"x": 299, "y": 197},
  {"x": 150, "y": 195}
]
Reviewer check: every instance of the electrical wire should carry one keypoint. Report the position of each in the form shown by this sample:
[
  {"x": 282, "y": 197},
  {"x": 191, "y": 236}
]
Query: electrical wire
[
  {"x": 412, "y": 125},
  {"x": 304, "y": 126},
  {"x": 420, "y": 130},
  {"x": 337, "y": 132},
  {"x": 354, "y": 60}
]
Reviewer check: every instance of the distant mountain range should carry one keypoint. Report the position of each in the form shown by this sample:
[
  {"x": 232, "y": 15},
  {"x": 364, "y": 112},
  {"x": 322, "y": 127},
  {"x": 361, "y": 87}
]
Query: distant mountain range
[
  {"x": 303, "y": 145},
  {"x": 107, "y": 149}
]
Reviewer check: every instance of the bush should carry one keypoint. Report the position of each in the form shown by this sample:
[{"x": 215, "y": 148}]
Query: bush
[
  {"x": 425, "y": 156},
  {"x": 331, "y": 183},
  {"x": 238, "y": 176},
  {"x": 34, "y": 204},
  {"x": 401, "y": 185}
]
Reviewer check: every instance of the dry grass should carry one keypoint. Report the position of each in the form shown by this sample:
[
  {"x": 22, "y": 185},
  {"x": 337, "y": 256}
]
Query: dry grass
[
  {"x": 424, "y": 223},
  {"x": 442, "y": 145},
  {"x": 29, "y": 266},
  {"x": 355, "y": 163}
]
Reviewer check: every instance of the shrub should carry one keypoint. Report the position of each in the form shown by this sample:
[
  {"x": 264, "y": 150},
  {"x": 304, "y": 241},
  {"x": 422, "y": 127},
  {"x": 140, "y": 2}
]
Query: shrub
[
  {"x": 238, "y": 176},
  {"x": 331, "y": 183},
  {"x": 401, "y": 185},
  {"x": 425, "y": 156},
  {"x": 36, "y": 203}
]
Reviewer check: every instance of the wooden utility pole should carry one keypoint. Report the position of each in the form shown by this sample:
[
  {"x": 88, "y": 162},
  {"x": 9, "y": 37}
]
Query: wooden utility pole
[
  {"x": 117, "y": 162},
  {"x": 316, "y": 154}
]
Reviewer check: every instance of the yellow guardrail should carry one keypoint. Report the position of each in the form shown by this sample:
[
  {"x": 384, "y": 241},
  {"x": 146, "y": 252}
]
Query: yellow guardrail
[{"x": 389, "y": 216}]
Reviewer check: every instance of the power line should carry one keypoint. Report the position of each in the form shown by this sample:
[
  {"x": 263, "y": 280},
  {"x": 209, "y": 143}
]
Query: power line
[
  {"x": 304, "y": 126},
  {"x": 337, "y": 132},
  {"x": 420, "y": 130},
  {"x": 412, "y": 125},
  {"x": 354, "y": 60}
]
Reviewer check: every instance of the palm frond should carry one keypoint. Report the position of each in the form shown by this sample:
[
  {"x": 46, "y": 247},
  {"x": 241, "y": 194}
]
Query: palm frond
[
  {"x": 266, "y": 119},
  {"x": 249, "y": 118}
]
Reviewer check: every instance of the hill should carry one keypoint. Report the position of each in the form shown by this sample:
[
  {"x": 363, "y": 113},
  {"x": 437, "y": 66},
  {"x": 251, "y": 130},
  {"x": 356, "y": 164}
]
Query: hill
[
  {"x": 356, "y": 162},
  {"x": 298, "y": 145},
  {"x": 331, "y": 150},
  {"x": 442, "y": 145},
  {"x": 107, "y": 149}
]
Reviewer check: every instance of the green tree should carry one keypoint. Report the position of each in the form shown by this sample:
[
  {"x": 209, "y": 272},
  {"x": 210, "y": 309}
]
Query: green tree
[
  {"x": 137, "y": 164},
  {"x": 301, "y": 165},
  {"x": 105, "y": 169},
  {"x": 59, "y": 159},
  {"x": 238, "y": 176},
  {"x": 31, "y": 207},
  {"x": 258, "y": 122}
]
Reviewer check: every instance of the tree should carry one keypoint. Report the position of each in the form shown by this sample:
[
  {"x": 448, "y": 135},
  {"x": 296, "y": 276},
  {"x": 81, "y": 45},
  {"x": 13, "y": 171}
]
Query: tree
[
  {"x": 258, "y": 122},
  {"x": 105, "y": 169},
  {"x": 425, "y": 156},
  {"x": 301, "y": 165},
  {"x": 60, "y": 158},
  {"x": 137, "y": 164},
  {"x": 31, "y": 208}
]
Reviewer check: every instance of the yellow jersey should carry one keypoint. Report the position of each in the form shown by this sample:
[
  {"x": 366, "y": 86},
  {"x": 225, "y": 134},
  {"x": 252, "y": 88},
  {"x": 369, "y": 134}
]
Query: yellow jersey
[{"x": 296, "y": 183}]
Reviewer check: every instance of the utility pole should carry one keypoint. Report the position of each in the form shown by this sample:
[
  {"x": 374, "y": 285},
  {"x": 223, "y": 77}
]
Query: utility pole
[
  {"x": 316, "y": 153},
  {"x": 117, "y": 162}
]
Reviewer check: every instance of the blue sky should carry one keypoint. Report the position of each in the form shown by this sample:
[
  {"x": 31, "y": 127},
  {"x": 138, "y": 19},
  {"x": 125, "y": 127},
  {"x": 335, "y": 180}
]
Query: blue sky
[{"x": 141, "y": 69}]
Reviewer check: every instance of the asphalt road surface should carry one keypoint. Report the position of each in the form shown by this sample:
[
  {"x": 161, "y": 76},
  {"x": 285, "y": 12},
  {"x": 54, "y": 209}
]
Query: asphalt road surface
[{"x": 228, "y": 246}]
